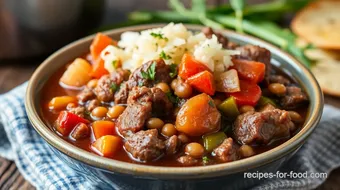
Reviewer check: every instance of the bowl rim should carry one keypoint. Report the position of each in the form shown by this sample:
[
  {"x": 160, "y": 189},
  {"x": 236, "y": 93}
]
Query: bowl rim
[{"x": 172, "y": 172}]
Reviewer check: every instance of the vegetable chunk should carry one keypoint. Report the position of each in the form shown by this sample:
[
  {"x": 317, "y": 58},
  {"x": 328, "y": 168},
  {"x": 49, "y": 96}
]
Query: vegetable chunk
[
  {"x": 77, "y": 74},
  {"x": 198, "y": 116}
]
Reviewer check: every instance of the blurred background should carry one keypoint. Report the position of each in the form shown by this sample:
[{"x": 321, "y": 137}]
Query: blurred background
[{"x": 30, "y": 28}]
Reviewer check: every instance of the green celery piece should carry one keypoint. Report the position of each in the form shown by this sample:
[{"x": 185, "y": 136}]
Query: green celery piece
[
  {"x": 212, "y": 141},
  {"x": 253, "y": 29},
  {"x": 229, "y": 108},
  {"x": 198, "y": 6},
  {"x": 179, "y": 7},
  {"x": 265, "y": 100},
  {"x": 170, "y": 16},
  {"x": 238, "y": 6}
]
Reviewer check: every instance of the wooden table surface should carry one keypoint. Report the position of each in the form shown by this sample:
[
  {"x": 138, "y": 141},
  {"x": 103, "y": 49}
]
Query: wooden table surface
[{"x": 13, "y": 74}]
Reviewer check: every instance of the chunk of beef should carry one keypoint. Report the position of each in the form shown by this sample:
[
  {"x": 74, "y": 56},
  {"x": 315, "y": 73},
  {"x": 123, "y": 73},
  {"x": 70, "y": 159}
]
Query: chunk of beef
[
  {"x": 86, "y": 94},
  {"x": 137, "y": 112},
  {"x": 122, "y": 94},
  {"x": 161, "y": 74},
  {"x": 145, "y": 145},
  {"x": 226, "y": 152},
  {"x": 279, "y": 79},
  {"x": 171, "y": 145},
  {"x": 79, "y": 110},
  {"x": 294, "y": 98},
  {"x": 262, "y": 127},
  {"x": 92, "y": 104},
  {"x": 142, "y": 101},
  {"x": 187, "y": 160},
  {"x": 209, "y": 32},
  {"x": 80, "y": 131},
  {"x": 133, "y": 118},
  {"x": 161, "y": 105},
  {"x": 256, "y": 53},
  {"x": 108, "y": 84},
  {"x": 140, "y": 95}
]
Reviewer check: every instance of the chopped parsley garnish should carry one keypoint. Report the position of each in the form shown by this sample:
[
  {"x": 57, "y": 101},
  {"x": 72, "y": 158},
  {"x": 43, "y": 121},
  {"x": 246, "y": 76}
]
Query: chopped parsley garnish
[
  {"x": 211, "y": 103},
  {"x": 173, "y": 70},
  {"x": 140, "y": 83},
  {"x": 205, "y": 160},
  {"x": 150, "y": 73},
  {"x": 114, "y": 87},
  {"x": 87, "y": 113},
  {"x": 159, "y": 36},
  {"x": 164, "y": 56},
  {"x": 114, "y": 63},
  {"x": 173, "y": 98}
]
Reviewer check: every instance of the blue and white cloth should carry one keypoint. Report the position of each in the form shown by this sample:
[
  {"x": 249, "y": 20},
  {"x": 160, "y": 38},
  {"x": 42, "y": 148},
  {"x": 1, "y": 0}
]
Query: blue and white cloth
[{"x": 36, "y": 162}]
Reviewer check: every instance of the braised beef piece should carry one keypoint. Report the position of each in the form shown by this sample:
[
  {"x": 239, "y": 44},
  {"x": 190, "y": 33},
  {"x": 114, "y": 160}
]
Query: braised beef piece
[
  {"x": 278, "y": 79},
  {"x": 109, "y": 84},
  {"x": 142, "y": 102},
  {"x": 294, "y": 98},
  {"x": 161, "y": 74},
  {"x": 80, "y": 131},
  {"x": 92, "y": 104},
  {"x": 79, "y": 110},
  {"x": 262, "y": 127},
  {"x": 122, "y": 94},
  {"x": 137, "y": 79},
  {"x": 187, "y": 160},
  {"x": 171, "y": 145},
  {"x": 133, "y": 118},
  {"x": 256, "y": 53},
  {"x": 161, "y": 104},
  {"x": 86, "y": 94},
  {"x": 209, "y": 32},
  {"x": 227, "y": 151},
  {"x": 145, "y": 145}
]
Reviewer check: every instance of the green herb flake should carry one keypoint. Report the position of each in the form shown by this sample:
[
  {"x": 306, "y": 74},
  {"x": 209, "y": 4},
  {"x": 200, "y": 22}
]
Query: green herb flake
[
  {"x": 205, "y": 160},
  {"x": 173, "y": 70},
  {"x": 114, "y": 87},
  {"x": 159, "y": 36},
  {"x": 211, "y": 103},
  {"x": 140, "y": 83},
  {"x": 173, "y": 98},
  {"x": 114, "y": 63},
  {"x": 164, "y": 56},
  {"x": 150, "y": 72}
]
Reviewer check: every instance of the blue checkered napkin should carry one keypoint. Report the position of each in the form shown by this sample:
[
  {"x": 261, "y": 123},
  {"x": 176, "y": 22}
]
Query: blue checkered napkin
[
  {"x": 39, "y": 165},
  {"x": 20, "y": 142}
]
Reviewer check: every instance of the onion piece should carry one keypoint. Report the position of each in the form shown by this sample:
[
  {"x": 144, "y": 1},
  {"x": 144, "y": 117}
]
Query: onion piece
[{"x": 228, "y": 81}]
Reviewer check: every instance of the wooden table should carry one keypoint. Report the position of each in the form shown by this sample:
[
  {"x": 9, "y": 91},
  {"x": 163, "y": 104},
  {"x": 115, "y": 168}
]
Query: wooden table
[{"x": 13, "y": 74}]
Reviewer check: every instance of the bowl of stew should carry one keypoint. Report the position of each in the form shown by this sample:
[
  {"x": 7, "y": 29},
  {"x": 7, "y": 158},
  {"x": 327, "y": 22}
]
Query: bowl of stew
[{"x": 173, "y": 106}]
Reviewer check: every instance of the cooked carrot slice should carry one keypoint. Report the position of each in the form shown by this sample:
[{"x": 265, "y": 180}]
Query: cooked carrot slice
[{"x": 108, "y": 145}]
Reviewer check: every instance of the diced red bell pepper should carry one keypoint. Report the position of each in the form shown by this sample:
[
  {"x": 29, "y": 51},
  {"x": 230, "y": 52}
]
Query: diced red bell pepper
[
  {"x": 249, "y": 70},
  {"x": 249, "y": 95},
  {"x": 67, "y": 121},
  {"x": 189, "y": 67},
  {"x": 98, "y": 69},
  {"x": 99, "y": 43},
  {"x": 203, "y": 82}
]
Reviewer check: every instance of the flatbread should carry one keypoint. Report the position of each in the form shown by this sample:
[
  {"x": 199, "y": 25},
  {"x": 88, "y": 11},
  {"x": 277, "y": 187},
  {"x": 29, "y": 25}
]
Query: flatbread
[
  {"x": 319, "y": 23},
  {"x": 326, "y": 70}
]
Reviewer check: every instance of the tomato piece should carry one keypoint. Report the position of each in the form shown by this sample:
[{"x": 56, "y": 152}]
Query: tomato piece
[
  {"x": 103, "y": 128},
  {"x": 99, "y": 43},
  {"x": 189, "y": 67},
  {"x": 198, "y": 116},
  {"x": 203, "y": 82},
  {"x": 67, "y": 121},
  {"x": 249, "y": 95},
  {"x": 249, "y": 70},
  {"x": 98, "y": 69},
  {"x": 108, "y": 145}
]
